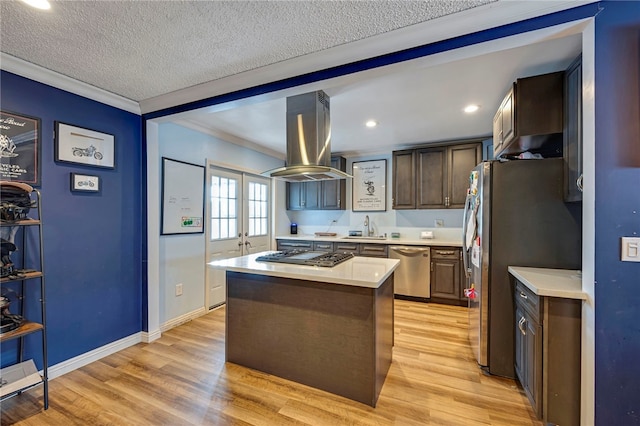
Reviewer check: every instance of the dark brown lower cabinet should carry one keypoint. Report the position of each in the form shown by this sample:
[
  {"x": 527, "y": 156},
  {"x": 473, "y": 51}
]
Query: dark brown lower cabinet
[
  {"x": 446, "y": 278},
  {"x": 529, "y": 356},
  {"x": 547, "y": 361}
]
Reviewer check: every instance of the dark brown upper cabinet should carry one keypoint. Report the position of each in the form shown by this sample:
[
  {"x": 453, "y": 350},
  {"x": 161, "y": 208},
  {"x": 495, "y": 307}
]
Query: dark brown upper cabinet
[
  {"x": 319, "y": 195},
  {"x": 572, "y": 146},
  {"x": 434, "y": 177},
  {"x": 530, "y": 116}
]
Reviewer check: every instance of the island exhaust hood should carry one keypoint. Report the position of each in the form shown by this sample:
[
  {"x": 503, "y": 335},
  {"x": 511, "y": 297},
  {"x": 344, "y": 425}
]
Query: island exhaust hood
[{"x": 308, "y": 141}]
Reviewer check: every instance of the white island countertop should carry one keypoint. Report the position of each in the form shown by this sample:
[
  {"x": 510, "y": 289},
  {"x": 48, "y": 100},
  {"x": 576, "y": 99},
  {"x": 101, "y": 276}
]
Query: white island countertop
[
  {"x": 563, "y": 283},
  {"x": 368, "y": 272}
]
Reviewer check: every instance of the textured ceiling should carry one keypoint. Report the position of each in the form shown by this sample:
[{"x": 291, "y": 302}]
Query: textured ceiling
[{"x": 143, "y": 49}]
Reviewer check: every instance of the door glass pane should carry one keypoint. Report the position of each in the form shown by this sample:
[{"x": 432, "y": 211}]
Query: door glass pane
[
  {"x": 223, "y": 204},
  {"x": 257, "y": 208}
]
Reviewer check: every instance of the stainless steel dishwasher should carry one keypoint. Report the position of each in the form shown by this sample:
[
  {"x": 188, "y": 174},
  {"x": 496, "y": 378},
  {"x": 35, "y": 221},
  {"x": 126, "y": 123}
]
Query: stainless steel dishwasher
[{"x": 413, "y": 275}]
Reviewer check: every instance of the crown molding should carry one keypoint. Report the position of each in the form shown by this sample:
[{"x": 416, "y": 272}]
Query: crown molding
[
  {"x": 42, "y": 75},
  {"x": 229, "y": 138}
]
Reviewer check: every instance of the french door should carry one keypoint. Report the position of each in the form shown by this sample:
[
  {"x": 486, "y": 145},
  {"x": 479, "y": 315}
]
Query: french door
[{"x": 238, "y": 222}]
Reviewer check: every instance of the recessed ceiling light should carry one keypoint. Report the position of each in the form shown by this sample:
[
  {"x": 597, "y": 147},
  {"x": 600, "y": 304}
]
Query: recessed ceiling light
[
  {"x": 38, "y": 4},
  {"x": 371, "y": 123},
  {"x": 471, "y": 108}
]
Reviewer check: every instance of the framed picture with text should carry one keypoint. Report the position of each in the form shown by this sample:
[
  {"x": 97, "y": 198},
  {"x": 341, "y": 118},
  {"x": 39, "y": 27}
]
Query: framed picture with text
[
  {"x": 20, "y": 145},
  {"x": 370, "y": 186}
]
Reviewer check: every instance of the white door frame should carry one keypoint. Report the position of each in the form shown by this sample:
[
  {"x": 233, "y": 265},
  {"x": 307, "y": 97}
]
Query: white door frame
[{"x": 238, "y": 236}]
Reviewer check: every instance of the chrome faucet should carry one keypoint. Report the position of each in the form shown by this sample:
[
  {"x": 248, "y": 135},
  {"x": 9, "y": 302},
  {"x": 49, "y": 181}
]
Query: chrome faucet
[{"x": 367, "y": 227}]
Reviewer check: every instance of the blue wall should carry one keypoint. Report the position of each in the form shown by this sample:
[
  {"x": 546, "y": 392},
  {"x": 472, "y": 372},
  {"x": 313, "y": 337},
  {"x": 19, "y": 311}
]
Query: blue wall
[
  {"x": 617, "y": 156},
  {"x": 93, "y": 267}
]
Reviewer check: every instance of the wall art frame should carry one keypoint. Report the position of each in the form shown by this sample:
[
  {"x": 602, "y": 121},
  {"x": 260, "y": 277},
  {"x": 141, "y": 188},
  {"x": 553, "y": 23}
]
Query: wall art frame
[
  {"x": 85, "y": 183},
  {"x": 369, "y": 182},
  {"x": 79, "y": 145},
  {"x": 20, "y": 148}
]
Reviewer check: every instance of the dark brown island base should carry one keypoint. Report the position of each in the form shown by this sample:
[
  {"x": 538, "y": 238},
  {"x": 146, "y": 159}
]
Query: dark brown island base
[{"x": 329, "y": 328}]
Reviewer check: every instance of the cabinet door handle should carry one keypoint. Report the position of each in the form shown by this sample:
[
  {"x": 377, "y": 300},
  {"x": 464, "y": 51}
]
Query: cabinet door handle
[
  {"x": 524, "y": 296},
  {"x": 431, "y": 266},
  {"x": 579, "y": 183},
  {"x": 445, "y": 252},
  {"x": 521, "y": 326}
]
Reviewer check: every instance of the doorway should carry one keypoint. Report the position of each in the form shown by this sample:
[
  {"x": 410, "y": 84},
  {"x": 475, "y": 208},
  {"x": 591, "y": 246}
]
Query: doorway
[{"x": 238, "y": 222}]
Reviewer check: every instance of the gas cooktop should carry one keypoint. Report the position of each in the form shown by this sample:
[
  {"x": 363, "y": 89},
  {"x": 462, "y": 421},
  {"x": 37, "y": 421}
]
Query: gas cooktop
[{"x": 305, "y": 257}]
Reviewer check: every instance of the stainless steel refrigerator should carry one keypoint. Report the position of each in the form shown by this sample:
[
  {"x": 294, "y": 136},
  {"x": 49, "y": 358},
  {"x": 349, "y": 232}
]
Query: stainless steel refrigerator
[{"x": 514, "y": 216}]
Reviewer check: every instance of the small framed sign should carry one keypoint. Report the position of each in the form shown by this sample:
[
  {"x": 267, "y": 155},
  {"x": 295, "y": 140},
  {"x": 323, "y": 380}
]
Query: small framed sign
[
  {"x": 85, "y": 183},
  {"x": 370, "y": 186},
  {"x": 84, "y": 146}
]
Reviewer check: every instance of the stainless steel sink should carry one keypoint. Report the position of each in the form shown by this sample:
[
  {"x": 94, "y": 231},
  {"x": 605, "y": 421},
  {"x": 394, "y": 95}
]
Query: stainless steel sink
[{"x": 374, "y": 237}]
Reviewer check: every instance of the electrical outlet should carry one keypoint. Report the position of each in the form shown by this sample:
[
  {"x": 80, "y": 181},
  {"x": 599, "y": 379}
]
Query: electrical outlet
[
  {"x": 439, "y": 223},
  {"x": 179, "y": 289}
]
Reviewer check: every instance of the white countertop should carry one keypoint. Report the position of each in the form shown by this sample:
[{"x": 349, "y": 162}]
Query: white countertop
[
  {"x": 389, "y": 241},
  {"x": 551, "y": 282},
  {"x": 368, "y": 272}
]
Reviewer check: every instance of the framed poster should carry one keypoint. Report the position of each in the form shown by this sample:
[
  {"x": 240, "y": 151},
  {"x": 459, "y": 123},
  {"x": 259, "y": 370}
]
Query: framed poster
[
  {"x": 20, "y": 144},
  {"x": 85, "y": 183},
  {"x": 84, "y": 146},
  {"x": 182, "y": 198},
  {"x": 370, "y": 186}
]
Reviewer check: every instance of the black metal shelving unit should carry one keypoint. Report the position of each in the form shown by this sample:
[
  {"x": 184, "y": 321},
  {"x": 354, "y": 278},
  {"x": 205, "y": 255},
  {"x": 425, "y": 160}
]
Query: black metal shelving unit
[{"x": 31, "y": 325}]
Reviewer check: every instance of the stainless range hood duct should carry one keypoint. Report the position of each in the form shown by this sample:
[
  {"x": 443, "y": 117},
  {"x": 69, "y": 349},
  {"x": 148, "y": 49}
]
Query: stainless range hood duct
[{"x": 308, "y": 140}]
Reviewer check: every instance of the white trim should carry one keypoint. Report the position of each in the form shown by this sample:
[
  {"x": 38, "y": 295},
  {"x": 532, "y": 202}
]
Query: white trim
[
  {"x": 227, "y": 137},
  {"x": 183, "y": 318},
  {"x": 88, "y": 357},
  {"x": 153, "y": 229},
  {"x": 469, "y": 21},
  {"x": 150, "y": 337},
  {"x": 588, "y": 366},
  {"x": 60, "y": 81}
]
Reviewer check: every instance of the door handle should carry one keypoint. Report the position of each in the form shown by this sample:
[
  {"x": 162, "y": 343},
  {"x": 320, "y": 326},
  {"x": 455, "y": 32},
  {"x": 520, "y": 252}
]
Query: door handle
[
  {"x": 579, "y": 183},
  {"x": 248, "y": 244},
  {"x": 521, "y": 326}
]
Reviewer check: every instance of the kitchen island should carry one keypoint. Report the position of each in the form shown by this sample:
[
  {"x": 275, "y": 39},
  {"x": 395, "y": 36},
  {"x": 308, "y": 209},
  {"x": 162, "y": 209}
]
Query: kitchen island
[{"x": 329, "y": 328}]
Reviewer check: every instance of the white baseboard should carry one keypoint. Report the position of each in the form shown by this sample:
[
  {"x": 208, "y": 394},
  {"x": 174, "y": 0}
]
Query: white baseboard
[
  {"x": 150, "y": 336},
  {"x": 88, "y": 357},
  {"x": 146, "y": 337},
  {"x": 183, "y": 318}
]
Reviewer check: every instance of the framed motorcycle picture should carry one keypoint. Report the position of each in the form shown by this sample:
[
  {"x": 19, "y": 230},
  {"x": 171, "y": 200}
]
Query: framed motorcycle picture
[
  {"x": 78, "y": 145},
  {"x": 85, "y": 183}
]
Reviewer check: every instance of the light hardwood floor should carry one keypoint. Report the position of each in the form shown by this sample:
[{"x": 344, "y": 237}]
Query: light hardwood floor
[{"x": 182, "y": 379}]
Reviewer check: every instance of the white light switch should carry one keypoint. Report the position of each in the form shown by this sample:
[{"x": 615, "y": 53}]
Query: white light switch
[{"x": 630, "y": 249}]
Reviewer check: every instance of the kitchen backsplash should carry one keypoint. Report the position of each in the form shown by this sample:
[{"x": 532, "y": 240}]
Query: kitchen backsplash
[{"x": 409, "y": 223}]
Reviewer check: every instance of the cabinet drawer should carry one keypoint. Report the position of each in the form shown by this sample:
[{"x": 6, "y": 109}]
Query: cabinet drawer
[
  {"x": 294, "y": 244},
  {"x": 322, "y": 246},
  {"x": 347, "y": 247},
  {"x": 529, "y": 301},
  {"x": 373, "y": 250},
  {"x": 445, "y": 253}
]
